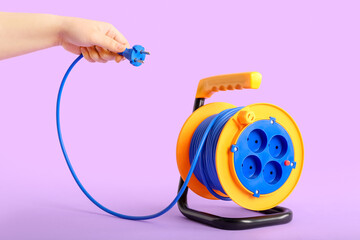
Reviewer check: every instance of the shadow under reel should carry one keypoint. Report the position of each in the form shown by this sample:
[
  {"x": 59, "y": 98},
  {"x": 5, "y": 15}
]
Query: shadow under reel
[{"x": 253, "y": 155}]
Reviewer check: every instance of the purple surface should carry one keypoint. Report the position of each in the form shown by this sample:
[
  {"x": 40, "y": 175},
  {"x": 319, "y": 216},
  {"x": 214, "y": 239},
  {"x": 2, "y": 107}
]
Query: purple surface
[{"x": 121, "y": 132}]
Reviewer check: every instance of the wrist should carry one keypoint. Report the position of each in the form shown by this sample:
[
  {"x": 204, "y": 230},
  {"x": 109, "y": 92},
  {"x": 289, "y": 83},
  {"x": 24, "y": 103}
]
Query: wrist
[{"x": 61, "y": 28}]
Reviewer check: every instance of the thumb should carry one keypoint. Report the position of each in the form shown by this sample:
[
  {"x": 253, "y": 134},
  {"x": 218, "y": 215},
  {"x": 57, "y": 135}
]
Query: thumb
[{"x": 108, "y": 43}]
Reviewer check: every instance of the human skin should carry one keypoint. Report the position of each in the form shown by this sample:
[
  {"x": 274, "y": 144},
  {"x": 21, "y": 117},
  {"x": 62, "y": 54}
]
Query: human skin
[{"x": 22, "y": 33}]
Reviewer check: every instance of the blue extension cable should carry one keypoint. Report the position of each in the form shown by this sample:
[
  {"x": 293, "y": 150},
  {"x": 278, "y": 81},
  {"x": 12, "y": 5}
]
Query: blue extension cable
[
  {"x": 195, "y": 158},
  {"x": 205, "y": 171}
]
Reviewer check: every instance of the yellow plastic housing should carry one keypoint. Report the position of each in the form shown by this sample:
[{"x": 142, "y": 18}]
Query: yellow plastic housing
[{"x": 208, "y": 86}]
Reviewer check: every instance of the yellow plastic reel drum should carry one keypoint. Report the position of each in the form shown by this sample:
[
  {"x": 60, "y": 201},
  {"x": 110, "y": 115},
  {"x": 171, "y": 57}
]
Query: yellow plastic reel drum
[{"x": 259, "y": 154}]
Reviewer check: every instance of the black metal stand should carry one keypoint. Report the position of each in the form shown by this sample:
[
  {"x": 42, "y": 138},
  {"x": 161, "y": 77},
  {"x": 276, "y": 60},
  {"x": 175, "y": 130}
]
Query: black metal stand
[{"x": 274, "y": 216}]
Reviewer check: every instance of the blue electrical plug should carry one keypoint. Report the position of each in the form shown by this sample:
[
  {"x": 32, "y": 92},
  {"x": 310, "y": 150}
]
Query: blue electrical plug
[{"x": 136, "y": 55}]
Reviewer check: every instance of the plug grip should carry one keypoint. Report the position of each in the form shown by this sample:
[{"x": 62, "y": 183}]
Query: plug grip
[
  {"x": 136, "y": 55},
  {"x": 208, "y": 86}
]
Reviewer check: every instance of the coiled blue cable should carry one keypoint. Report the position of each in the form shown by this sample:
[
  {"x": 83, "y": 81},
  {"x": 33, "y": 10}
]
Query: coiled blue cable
[
  {"x": 205, "y": 171},
  {"x": 87, "y": 194}
]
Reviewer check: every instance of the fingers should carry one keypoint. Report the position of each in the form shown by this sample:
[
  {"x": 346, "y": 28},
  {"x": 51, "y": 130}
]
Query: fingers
[
  {"x": 115, "y": 34},
  {"x": 95, "y": 55},
  {"x": 99, "y": 54},
  {"x": 106, "y": 46},
  {"x": 86, "y": 54},
  {"x": 91, "y": 54},
  {"x": 107, "y": 42},
  {"x": 119, "y": 58},
  {"x": 105, "y": 54}
]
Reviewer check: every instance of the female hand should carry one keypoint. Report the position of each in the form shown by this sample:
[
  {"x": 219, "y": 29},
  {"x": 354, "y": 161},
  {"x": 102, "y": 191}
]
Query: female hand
[{"x": 97, "y": 41}]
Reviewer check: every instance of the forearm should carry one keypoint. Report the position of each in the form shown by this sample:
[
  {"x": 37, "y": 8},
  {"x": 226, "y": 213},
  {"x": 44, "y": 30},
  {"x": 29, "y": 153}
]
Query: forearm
[{"x": 22, "y": 33}]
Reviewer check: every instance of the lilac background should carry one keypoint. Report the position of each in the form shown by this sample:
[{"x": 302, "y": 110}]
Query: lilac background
[{"x": 122, "y": 140}]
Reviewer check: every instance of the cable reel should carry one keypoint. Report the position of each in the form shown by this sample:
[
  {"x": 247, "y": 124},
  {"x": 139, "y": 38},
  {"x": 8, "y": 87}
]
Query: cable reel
[{"x": 257, "y": 156}]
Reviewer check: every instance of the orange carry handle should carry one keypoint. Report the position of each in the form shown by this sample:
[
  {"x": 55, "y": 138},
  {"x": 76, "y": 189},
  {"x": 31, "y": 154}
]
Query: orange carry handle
[{"x": 208, "y": 86}]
